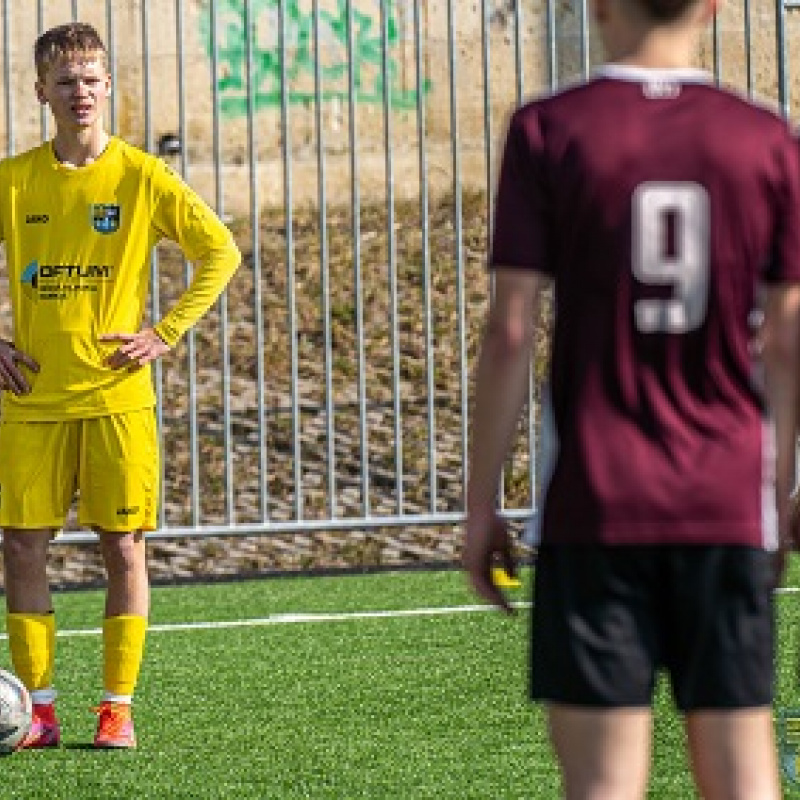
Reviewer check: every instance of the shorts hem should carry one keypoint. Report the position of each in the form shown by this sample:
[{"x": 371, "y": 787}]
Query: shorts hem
[
  {"x": 591, "y": 705},
  {"x": 28, "y": 526},
  {"x": 716, "y": 708},
  {"x": 100, "y": 529}
]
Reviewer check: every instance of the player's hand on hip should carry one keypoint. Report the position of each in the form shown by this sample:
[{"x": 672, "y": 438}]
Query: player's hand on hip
[
  {"x": 487, "y": 543},
  {"x": 135, "y": 349},
  {"x": 12, "y": 379}
]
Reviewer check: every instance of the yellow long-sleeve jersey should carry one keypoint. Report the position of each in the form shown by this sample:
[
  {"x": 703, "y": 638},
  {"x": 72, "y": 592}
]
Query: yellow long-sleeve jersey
[{"x": 78, "y": 243}]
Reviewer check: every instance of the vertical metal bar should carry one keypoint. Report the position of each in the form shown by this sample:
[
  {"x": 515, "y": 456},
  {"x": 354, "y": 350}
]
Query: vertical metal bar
[
  {"x": 355, "y": 201},
  {"x": 11, "y": 146},
  {"x": 255, "y": 246},
  {"x": 532, "y": 431},
  {"x": 748, "y": 46},
  {"x": 392, "y": 256},
  {"x": 222, "y": 303},
  {"x": 519, "y": 87},
  {"x": 487, "y": 109},
  {"x": 111, "y": 44},
  {"x": 324, "y": 269},
  {"x": 717, "y": 50},
  {"x": 75, "y": 10},
  {"x": 44, "y": 114},
  {"x": 584, "y": 40},
  {"x": 291, "y": 299},
  {"x": 487, "y": 150},
  {"x": 191, "y": 337},
  {"x": 458, "y": 230},
  {"x": 783, "y": 78},
  {"x": 487, "y": 139},
  {"x": 519, "y": 70},
  {"x": 426, "y": 267},
  {"x": 148, "y": 130}
]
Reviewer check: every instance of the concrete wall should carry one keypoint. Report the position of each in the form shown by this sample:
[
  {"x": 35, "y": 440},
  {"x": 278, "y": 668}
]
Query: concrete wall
[{"x": 483, "y": 42}]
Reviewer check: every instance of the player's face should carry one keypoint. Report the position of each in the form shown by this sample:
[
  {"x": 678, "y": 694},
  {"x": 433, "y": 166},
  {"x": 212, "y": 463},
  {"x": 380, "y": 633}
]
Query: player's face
[{"x": 76, "y": 88}]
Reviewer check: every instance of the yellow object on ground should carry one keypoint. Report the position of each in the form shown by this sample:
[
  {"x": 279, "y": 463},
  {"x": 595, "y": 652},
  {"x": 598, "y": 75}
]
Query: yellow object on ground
[{"x": 503, "y": 580}]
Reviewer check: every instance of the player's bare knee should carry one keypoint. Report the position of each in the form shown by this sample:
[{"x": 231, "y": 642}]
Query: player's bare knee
[
  {"x": 23, "y": 550},
  {"x": 123, "y": 552}
]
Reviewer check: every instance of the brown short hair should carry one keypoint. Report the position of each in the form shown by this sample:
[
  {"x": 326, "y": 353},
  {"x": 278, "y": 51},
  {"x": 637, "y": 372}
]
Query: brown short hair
[
  {"x": 665, "y": 10},
  {"x": 74, "y": 37}
]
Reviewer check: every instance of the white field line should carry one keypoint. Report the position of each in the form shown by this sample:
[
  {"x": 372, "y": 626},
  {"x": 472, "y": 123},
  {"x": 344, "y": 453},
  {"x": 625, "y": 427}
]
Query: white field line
[{"x": 294, "y": 618}]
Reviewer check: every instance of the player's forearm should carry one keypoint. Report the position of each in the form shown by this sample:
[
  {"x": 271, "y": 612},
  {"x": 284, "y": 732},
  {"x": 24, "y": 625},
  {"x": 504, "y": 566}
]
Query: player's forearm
[
  {"x": 501, "y": 387},
  {"x": 210, "y": 279}
]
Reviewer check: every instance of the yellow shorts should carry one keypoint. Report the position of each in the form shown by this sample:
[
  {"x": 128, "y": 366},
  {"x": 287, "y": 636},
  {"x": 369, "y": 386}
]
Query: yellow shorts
[{"x": 111, "y": 462}]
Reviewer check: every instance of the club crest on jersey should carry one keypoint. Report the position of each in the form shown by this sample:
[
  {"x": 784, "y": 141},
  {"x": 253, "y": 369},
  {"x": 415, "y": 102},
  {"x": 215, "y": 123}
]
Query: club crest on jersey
[{"x": 105, "y": 217}]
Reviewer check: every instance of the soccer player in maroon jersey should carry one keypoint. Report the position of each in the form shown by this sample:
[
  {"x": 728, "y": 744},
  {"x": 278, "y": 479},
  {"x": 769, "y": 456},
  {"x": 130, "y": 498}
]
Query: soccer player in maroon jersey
[{"x": 664, "y": 212}]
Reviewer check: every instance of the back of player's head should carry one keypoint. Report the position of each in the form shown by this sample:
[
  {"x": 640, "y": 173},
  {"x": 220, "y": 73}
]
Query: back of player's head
[
  {"x": 664, "y": 10},
  {"x": 66, "y": 40}
]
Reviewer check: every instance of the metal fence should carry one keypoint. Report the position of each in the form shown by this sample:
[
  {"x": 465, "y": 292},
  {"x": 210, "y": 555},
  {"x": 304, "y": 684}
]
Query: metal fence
[{"x": 351, "y": 145}]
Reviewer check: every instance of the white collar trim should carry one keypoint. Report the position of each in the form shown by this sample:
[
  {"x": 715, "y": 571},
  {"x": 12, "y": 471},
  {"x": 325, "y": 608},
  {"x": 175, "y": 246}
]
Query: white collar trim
[{"x": 628, "y": 72}]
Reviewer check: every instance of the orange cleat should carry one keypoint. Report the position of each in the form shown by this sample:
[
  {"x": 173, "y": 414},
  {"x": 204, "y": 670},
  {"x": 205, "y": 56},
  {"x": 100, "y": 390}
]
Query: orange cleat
[{"x": 114, "y": 725}]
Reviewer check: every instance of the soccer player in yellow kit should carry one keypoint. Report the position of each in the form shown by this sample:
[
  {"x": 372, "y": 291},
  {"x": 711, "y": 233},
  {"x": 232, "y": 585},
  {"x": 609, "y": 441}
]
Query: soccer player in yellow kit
[{"x": 79, "y": 216}]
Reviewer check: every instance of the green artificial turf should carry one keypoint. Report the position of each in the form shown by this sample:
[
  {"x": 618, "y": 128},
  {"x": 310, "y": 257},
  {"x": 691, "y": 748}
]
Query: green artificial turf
[{"x": 340, "y": 706}]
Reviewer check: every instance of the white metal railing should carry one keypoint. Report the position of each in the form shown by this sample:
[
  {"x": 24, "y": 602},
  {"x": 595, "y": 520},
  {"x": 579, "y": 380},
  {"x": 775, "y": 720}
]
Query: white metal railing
[{"x": 352, "y": 145}]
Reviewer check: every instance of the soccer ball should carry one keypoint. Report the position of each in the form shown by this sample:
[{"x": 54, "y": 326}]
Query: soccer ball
[{"x": 16, "y": 711}]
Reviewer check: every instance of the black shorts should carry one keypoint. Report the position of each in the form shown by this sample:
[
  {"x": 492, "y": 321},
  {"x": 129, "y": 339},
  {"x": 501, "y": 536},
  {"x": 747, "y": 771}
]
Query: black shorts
[{"x": 607, "y": 619}]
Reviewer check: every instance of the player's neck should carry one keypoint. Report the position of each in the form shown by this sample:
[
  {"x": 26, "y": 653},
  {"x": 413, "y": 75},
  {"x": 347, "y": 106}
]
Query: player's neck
[
  {"x": 653, "y": 50},
  {"x": 77, "y": 149}
]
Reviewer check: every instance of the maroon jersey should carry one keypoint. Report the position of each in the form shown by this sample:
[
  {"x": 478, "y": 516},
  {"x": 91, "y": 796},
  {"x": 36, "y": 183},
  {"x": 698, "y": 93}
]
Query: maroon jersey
[{"x": 658, "y": 203}]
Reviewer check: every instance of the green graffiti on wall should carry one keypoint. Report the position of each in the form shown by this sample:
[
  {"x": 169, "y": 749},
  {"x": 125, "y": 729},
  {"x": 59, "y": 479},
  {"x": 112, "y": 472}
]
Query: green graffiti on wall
[{"x": 299, "y": 52}]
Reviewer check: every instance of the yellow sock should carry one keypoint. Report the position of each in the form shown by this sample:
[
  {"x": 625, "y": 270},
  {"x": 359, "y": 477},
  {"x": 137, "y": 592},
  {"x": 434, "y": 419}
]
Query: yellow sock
[
  {"x": 123, "y": 647},
  {"x": 32, "y": 639}
]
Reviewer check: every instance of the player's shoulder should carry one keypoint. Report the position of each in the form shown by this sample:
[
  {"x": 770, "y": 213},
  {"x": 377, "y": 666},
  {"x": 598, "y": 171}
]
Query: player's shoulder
[
  {"x": 734, "y": 102},
  {"x": 27, "y": 160},
  {"x": 152, "y": 169},
  {"x": 580, "y": 103},
  {"x": 132, "y": 157},
  {"x": 615, "y": 93}
]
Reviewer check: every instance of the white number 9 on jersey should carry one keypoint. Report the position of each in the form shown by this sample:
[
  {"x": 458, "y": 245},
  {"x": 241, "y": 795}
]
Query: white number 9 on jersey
[{"x": 671, "y": 248}]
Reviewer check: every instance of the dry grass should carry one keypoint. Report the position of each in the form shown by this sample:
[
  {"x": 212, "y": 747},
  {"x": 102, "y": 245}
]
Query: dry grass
[{"x": 325, "y": 307}]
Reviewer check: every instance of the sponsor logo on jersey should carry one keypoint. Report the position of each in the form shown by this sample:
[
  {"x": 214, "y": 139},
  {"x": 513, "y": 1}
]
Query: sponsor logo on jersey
[
  {"x": 105, "y": 217},
  {"x": 30, "y": 279},
  {"x": 74, "y": 271},
  {"x": 31, "y": 273},
  {"x": 55, "y": 281},
  {"x": 37, "y": 219}
]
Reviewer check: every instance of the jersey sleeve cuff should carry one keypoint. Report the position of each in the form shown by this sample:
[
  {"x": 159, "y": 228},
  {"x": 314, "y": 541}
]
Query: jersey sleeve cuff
[{"x": 169, "y": 334}]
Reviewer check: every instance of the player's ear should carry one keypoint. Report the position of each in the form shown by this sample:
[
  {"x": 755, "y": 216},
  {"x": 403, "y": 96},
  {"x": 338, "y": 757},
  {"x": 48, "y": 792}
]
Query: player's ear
[
  {"x": 710, "y": 9},
  {"x": 40, "y": 93}
]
